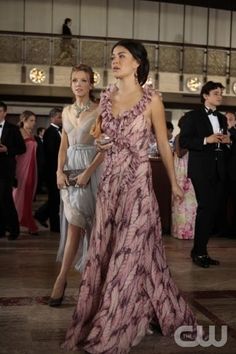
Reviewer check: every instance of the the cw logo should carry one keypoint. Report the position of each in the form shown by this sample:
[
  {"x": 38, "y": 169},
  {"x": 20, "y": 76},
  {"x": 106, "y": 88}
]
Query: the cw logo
[{"x": 211, "y": 340}]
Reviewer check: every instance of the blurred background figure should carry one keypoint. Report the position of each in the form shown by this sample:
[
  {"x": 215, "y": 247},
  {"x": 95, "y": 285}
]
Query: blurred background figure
[
  {"x": 40, "y": 160},
  {"x": 11, "y": 144},
  {"x": 67, "y": 46},
  {"x": 170, "y": 129},
  {"x": 184, "y": 212},
  {"x": 51, "y": 144},
  {"x": 26, "y": 174},
  {"x": 66, "y": 31}
]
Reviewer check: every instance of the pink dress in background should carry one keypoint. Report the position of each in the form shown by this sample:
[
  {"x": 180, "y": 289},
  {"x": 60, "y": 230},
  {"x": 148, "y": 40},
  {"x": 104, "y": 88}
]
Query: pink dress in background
[
  {"x": 184, "y": 212},
  {"x": 26, "y": 175},
  {"x": 126, "y": 283}
]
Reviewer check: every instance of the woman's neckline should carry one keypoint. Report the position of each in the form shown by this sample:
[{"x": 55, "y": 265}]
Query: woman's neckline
[
  {"x": 132, "y": 108},
  {"x": 27, "y": 133}
]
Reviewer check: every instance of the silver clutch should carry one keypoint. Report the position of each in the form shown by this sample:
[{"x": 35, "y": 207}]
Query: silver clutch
[{"x": 72, "y": 174}]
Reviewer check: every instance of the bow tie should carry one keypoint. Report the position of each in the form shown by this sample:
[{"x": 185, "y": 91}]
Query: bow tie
[
  {"x": 210, "y": 111},
  {"x": 0, "y": 125}
]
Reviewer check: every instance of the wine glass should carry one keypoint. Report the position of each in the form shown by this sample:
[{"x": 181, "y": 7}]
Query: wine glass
[{"x": 218, "y": 146}]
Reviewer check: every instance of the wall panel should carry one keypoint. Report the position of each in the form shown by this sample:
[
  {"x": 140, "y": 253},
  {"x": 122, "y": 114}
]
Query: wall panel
[
  {"x": 219, "y": 30},
  {"x": 172, "y": 16},
  {"x": 146, "y": 20},
  {"x": 234, "y": 30},
  {"x": 120, "y": 18},
  {"x": 38, "y": 16},
  {"x": 93, "y": 18},
  {"x": 196, "y": 25},
  {"x": 11, "y": 15}
]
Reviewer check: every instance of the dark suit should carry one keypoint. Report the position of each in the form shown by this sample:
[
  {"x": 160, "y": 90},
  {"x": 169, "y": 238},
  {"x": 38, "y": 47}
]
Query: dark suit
[
  {"x": 40, "y": 164},
  {"x": 51, "y": 143},
  {"x": 13, "y": 140},
  {"x": 207, "y": 170},
  {"x": 232, "y": 158},
  {"x": 232, "y": 184}
]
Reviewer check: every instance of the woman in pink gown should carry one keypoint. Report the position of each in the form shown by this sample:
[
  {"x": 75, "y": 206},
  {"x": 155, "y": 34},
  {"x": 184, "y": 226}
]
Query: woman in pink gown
[
  {"x": 184, "y": 213},
  {"x": 126, "y": 283},
  {"x": 26, "y": 174}
]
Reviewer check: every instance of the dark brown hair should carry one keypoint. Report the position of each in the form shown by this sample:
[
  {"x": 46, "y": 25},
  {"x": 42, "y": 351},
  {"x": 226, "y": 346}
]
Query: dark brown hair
[
  {"x": 209, "y": 86},
  {"x": 138, "y": 51}
]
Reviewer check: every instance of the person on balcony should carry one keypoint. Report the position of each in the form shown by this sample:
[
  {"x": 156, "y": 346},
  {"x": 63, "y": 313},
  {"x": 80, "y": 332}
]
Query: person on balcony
[{"x": 67, "y": 46}]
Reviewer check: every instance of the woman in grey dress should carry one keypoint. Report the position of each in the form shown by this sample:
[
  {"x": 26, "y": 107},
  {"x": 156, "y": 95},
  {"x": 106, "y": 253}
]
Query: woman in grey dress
[{"x": 77, "y": 156}]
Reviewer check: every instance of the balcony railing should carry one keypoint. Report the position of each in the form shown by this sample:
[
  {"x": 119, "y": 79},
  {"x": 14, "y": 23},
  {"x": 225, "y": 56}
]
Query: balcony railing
[{"x": 52, "y": 50}]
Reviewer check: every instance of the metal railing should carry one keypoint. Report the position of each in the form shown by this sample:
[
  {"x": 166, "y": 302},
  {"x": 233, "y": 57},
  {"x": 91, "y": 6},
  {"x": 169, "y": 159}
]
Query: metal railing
[{"x": 53, "y": 50}]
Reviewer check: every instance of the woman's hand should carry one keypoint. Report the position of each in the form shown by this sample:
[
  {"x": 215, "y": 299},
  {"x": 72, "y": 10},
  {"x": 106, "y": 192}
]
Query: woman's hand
[
  {"x": 177, "y": 192},
  {"x": 82, "y": 179},
  {"x": 62, "y": 180},
  {"x": 103, "y": 143}
]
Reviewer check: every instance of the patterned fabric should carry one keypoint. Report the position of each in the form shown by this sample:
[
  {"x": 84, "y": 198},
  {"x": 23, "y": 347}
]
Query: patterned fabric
[
  {"x": 184, "y": 213},
  {"x": 126, "y": 283}
]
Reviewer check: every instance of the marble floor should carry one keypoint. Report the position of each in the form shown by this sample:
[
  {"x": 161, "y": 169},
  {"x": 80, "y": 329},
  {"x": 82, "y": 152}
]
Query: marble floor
[{"x": 28, "y": 269}]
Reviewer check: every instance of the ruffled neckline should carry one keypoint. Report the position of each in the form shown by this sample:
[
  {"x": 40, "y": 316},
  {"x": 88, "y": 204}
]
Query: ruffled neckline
[{"x": 134, "y": 111}]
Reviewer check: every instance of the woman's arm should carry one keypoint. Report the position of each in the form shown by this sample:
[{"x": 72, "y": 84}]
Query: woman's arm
[
  {"x": 159, "y": 124},
  {"x": 180, "y": 152},
  {"x": 84, "y": 177},
  {"x": 61, "y": 177}
]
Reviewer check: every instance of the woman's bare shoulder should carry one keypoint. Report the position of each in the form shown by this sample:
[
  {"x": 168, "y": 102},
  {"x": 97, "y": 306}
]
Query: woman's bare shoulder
[{"x": 156, "y": 95}]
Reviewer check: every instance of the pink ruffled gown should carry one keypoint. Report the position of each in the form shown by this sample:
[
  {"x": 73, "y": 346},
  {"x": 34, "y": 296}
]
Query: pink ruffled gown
[
  {"x": 126, "y": 282},
  {"x": 26, "y": 175}
]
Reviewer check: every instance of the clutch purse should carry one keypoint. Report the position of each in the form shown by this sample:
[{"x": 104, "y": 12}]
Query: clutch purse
[{"x": 71, "y": 175}]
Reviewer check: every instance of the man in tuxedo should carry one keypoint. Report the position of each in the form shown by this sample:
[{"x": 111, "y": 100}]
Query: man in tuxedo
[
  {"x": 204, "y": 134},
  {"x": 51, "y": 143},
  {"x": 11, "y": 144}
]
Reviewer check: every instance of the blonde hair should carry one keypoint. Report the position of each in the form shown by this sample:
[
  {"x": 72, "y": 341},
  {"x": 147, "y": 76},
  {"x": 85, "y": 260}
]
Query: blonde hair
[{"x": 24, "y": 117}]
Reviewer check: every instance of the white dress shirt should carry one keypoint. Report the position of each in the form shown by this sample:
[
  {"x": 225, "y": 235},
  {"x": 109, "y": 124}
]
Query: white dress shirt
[{"x": 1, "y": 128}]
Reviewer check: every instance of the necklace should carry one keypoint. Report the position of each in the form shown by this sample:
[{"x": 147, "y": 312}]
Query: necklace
[{"x": 80, "y": 109}]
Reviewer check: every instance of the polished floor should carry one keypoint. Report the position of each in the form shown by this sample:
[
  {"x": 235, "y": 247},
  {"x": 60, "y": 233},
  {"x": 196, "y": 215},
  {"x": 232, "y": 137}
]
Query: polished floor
[{"x": 27, "y": 271}]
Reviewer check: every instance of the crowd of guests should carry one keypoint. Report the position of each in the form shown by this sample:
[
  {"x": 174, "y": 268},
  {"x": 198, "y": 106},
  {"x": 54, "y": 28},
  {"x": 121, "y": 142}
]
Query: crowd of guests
[
  {"x": 100, "y": 196},
  {"x": 28, "y": 166}
]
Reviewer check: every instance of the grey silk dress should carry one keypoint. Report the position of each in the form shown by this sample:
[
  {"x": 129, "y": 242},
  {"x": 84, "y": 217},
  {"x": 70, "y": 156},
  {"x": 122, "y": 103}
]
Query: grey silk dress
[{"x": 78, "y": 204}]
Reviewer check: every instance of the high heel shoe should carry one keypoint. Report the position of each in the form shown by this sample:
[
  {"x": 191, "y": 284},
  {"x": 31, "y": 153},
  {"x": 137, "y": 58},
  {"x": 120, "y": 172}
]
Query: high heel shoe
[{"x": 57, "y": 302}]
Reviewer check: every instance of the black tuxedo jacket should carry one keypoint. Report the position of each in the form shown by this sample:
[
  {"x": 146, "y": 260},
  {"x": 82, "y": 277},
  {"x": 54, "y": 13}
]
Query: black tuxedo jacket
[
  {"x": 51, "y": 143},
  {"x": 232, "y": 158},
  {"x": 40, "y": 151},
  {"x": 13, "y": 140},
  {"x": 204, "y": 161}
]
